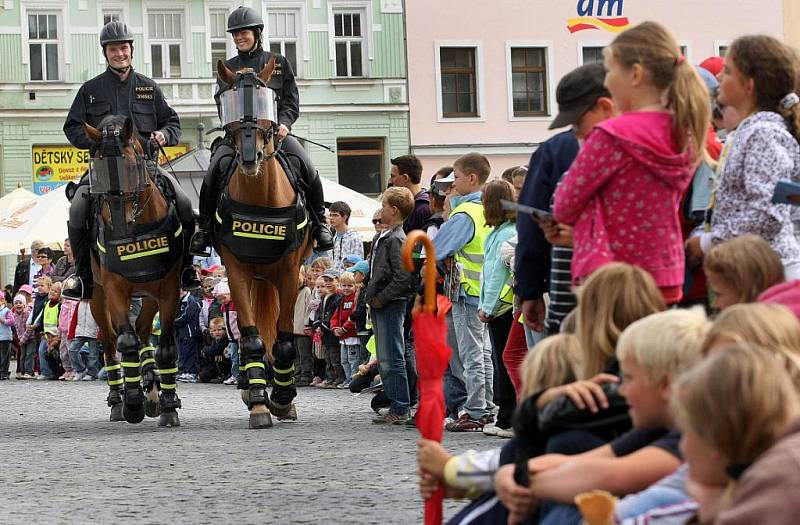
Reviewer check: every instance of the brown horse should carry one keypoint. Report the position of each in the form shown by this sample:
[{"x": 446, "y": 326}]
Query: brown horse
[
  {"x": 129, "y": 214},
  {"x": 263, "y": 292}
]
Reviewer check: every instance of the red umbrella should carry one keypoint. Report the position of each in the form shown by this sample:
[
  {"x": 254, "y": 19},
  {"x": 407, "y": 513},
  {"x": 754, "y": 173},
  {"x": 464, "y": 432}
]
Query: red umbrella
[{"x": 433, "y": 354}]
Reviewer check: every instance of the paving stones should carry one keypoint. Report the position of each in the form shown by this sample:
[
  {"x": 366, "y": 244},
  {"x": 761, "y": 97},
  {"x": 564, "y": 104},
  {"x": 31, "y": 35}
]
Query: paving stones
[{"x": 64, "y": 462}]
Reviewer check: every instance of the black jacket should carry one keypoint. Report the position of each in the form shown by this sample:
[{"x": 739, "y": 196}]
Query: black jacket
[
  {"x": 282, "y": 82},
  {"x": 532, "y": 257},
  {"x": 325, "y": 312},
  {"x": 187, "y": 322},
  {"x": 22, "y": 274},
  {"x": 138, "y": 97},
  {"x": 389, "y": 281}
]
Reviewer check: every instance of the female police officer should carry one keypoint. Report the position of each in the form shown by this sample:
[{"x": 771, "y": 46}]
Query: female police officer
[
  {"x": 246, "y": 27},
  {"x": 119, "y": 91}
]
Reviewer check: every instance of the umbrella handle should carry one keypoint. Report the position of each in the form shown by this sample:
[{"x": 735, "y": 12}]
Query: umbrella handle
[{"x": 414, "y": 237}]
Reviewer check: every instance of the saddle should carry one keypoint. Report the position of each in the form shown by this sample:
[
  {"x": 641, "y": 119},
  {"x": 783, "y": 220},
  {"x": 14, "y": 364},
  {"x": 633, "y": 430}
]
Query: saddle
[
  {"x": 144, "y": 252},
  {"x": 262, "y": 234}
]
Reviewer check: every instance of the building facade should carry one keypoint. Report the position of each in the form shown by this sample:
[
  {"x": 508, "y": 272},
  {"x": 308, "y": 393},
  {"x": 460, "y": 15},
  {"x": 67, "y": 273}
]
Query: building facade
[
  {"x": 348, "y": 56},
  {"x": 483, "y": 78}
]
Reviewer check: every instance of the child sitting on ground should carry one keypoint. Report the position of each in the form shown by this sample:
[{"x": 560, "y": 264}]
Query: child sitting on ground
[
  {"x": 217, "y": 364},
  {"x": 345, "y": 329},
  {"x": 740, "y": 269}
]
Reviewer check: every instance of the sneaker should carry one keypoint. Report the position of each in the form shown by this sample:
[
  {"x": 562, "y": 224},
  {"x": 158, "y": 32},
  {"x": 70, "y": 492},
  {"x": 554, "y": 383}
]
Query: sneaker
[
  {"x": 191, "y": 378},
  {"x": 466, "y": 424},
  {"x": 19, "y": 375},
  {"x": 302, "y": 382},
  {"x": 230, "y": 381},
  {"x": 62, "y": 377},
  {"x": 391, "y": 419},
  {"x": 316, "y": 381},
  {"x": 26, "y": 376},
  {"x": 181, "y": 377},
  {"x": 79, "y": 376},
  {"x": 43, "y": 378},
  {"x": 328, "y": 385},
  {"x": 505, "y": 433},
  {"x": 382, "y": 411},
  {"x": 87, "y": 377},
  {"x": 490, "y": 430},
  {"x": 344, "y": 385}
]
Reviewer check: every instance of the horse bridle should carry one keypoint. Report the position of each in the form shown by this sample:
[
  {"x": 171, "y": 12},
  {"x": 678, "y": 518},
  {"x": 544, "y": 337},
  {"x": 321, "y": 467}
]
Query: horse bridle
[
  {"x": 247, "y": 81},
  {"x": 112, "y": 145}
]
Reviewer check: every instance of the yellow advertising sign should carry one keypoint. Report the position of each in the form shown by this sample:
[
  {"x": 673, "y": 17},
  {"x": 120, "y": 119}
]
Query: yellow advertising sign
[{"x": 54, "y": 166}]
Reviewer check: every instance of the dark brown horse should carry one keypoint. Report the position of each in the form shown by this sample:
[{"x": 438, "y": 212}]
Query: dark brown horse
[
  {"x": 263, "y": 291},
  {"x": 129, "y": 243}
]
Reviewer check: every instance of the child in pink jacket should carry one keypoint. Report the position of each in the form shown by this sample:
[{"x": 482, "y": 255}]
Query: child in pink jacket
[{"x": 623, "y": 191}]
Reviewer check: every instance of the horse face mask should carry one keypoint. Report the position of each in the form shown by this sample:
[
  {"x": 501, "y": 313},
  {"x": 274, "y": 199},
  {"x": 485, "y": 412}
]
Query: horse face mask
[
  {"x": 113, "y": 172},
  {"x": 245, "y": 104}
]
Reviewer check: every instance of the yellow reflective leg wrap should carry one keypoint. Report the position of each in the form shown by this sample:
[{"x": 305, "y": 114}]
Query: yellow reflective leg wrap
[
  {"x": 283, "y": 383},
  {"x": 165, "y": 386},
  {"x": 163, "y": 371},
  {"x": 284, "y": 371},
  {"x": 133, "y": 379},
  {"x": 113, "y": 367},
  {"x": 258, "y": 364},
  {"x": 147, "y": 349}
]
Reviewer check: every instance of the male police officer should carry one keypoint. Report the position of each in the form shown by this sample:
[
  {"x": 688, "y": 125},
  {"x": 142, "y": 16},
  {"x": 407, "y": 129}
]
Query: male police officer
[
  {"x": 119, "y": 91},
  {"x": 246, "y": 26}
]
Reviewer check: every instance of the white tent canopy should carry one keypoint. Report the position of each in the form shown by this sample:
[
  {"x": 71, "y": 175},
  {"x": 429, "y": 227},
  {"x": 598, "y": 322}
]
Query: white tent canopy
[
  {"x": 362, "y": 207},
  {"x": 13, "y": 199},
  {"x": 43, "y": 218}
]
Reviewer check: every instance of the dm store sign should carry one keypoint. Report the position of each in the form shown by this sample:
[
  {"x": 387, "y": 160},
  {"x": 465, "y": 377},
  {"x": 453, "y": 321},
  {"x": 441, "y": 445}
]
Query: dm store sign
[{"x": 605, "y": 15}]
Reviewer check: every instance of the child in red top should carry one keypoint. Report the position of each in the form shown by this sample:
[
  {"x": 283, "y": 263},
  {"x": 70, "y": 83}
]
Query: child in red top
[
  {"x": 342, "y": 326},
  {"x": 623, "y": 191}
]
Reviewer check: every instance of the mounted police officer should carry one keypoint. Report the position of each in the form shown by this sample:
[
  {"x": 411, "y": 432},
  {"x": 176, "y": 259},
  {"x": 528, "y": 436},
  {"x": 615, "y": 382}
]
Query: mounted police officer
[
  {"x": 246, "y": 27},
  {"x": 120, "y": 91}
]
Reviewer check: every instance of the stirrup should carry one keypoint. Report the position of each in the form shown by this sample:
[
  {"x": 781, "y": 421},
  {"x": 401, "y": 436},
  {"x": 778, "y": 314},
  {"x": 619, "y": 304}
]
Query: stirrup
[{"x": 189, "y": 282}]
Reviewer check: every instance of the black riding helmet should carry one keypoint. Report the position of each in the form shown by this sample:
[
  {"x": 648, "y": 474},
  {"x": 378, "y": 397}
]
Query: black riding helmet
[
  {"x": 115, "y": 32},
  {"x": 246, "y": 18}
]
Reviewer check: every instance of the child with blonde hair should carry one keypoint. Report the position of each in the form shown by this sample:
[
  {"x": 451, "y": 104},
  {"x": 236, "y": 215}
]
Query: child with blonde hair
[
  {"x": 552, "y": 362},
  {"x": 740, "y": 269},
  {"x": 739, "y": 415},
  {"x": 345, "y": 329},
  {"x": 304, "y": 358},
  {"x": 623, "y": 191}
]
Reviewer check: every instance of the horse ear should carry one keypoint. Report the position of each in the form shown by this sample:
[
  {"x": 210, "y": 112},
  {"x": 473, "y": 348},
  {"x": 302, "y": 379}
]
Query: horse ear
[
  {"x": 93, "y": 133},
  {"x": 266, "y": 73},
  {"x": 224, "y": 74},
  {"x": 127, "y": 129}
]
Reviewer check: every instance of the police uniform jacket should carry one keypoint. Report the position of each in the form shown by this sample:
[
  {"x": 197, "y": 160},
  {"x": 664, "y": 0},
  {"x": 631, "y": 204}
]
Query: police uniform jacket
[
  {"x": 138, "y": 97},
  {"x": 282, "y": 82}
]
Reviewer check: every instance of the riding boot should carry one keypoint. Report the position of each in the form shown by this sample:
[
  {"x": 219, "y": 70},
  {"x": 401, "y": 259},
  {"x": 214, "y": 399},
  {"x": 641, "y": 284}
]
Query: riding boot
[
  {"x": 79, "y": 286},
  {"x": 189, "y": 279},
  {"x": 320, "y": 231},
  {"x": 220, "y": 164}
]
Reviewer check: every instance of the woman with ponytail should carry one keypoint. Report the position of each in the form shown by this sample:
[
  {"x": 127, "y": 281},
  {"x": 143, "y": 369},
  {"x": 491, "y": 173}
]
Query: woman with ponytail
[
  {"x": 760, "y": 81},
  {"x": 623, "y": 191}
]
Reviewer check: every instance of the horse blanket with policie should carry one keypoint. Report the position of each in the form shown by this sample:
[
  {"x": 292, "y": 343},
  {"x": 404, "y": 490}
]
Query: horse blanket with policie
[
  {"x": 145, "y": 253},
  {"x": 261, "y": 234}
]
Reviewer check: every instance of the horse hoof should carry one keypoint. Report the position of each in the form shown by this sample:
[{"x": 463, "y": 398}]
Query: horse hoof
[
  {"x": 288, "y": 413},
  {"x": 260, "y": 420},
  {"x": 133, "y": 414},
  {"x": 169, "y": 420},
  {"x": 116, "y": 413},
  {"x": 152, "y": 408}
]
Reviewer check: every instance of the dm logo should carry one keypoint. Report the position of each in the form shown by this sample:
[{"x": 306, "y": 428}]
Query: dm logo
[
  {"x": 44, "y": 173},
  {"x": 591, "y": 16}
]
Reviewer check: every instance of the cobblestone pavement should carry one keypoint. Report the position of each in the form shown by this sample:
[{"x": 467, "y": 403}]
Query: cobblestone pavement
[{"x": 64, "y": 462}]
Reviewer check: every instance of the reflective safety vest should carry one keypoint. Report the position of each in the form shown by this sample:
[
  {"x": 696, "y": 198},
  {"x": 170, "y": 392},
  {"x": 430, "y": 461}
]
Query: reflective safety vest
[
  {"x": 50, "y": 319},
  {"x": 471, "y": 255}
]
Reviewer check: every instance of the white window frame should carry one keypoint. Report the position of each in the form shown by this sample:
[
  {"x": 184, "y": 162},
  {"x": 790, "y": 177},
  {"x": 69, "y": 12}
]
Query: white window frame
[
  {"x": 480, "y": 85},
  {"x": 349, "y": 40},
  {"x": 61, "y": 10},
  {"x": 165, "y": 43},
  {"x": 300, "y": 9},
  {"x": 721, "y": 43},
  {"x": 43, "y": 43},
  {"x": 107, "y": 7},
  {"x": 157, "y": 6},
  {"x": 547, "y": 45},
  {"x": 589, "y": 43},
  {"x": 364, "y": 7},
  {"x": 217, "y": 6}
]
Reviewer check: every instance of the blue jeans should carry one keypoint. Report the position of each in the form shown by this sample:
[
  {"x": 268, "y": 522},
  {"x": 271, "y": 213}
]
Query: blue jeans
[
  {"x": 475, "y": 356},
  {"x": 27, "y": 356},
  {"x": 387, "y": 323},
  {"x": 350, "y": 358},
  {"x": 83, "y": 356},
  {"x": 455, "y": 393},
  {"x": 44, "y": 367},
  {"x": 187, "y": 355},
  {"x": 234, "y": 349}
]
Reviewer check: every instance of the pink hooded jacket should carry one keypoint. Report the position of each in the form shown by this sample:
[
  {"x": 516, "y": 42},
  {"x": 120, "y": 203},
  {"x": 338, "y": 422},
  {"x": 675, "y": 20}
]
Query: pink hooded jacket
[{"x": 622, "y": 196}]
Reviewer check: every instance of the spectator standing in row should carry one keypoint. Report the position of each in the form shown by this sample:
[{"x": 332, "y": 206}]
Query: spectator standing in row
[
  {"x": 334, "y": 373},
  {"x": 65, "y": 266},
  {"x": 345, "y": 329},
  {"x": 45, "y": 259},
  {"x": 407, "y": 173},
  {"x": 20, "y": 314},
  {"x": 6, "y": 338},
  {"x": 83, "y": 348},
  {"x": 461, "y": 241},
  {"x": 28, "y": 267},
  {"x": 188, "y": 337},
  {"x": 346, "y": 242},
  {"x": 304, "y": 359},
  {"x": 46, "y": 324},
  {"x": 387, "y": 294}
]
